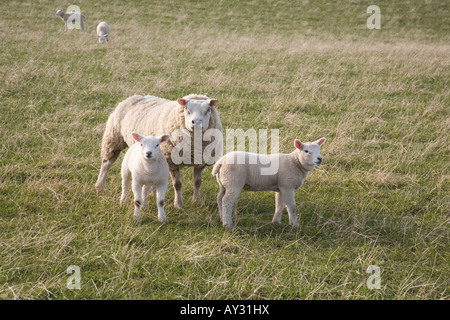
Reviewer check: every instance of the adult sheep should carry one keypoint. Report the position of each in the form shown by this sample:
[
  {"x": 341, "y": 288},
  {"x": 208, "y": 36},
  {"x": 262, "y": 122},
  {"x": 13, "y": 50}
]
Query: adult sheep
[{"x": 182, "y": 119}]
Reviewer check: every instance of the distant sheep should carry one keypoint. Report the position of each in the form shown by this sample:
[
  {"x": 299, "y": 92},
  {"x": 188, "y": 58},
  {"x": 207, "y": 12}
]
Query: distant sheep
[
  {"x": 242, "y": 170},
  {"x": 65, "y": 16},
  {"x": 151, "y": 115},
  {"x": 103, "y": 32},
  {"x": 147, "y": 167}
]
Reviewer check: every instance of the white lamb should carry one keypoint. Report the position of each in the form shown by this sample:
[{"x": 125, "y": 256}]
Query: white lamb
[
  {"x": 78, "y": 16},
  {"x": 242, "y": 170},
  {"x": 148, "y": 168},
  {"x": 155, "y": 116},
  {"x": 103, "y": 32}
]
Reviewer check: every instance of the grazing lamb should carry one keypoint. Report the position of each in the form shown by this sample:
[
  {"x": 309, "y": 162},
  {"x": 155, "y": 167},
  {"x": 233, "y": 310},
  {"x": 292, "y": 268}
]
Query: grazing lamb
[
  {"x": 155, "y": 116},
  {"x": 103, "y": 32},
  {"x": 66, "y": 16},
  {"x": 147, "y": 167},
  {"x": 293, "y": 168}
]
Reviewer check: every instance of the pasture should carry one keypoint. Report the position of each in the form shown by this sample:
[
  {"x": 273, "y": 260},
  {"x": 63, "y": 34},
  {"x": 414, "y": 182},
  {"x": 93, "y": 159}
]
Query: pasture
[{"x": 308, "y": 68}]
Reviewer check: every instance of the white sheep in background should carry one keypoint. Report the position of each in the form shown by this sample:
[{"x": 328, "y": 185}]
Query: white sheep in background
[
  {"x": 147, "y": 167},
  {"x": 65, "y": 16},
  {"x": 242, "y": 170},
  {"x": 151, "y": 115},
  {"x": 103, "y": 32}
]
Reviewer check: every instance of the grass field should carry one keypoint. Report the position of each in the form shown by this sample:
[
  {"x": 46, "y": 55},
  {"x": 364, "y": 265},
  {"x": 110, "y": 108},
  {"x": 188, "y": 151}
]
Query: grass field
[{"x": 307, "y": 68}]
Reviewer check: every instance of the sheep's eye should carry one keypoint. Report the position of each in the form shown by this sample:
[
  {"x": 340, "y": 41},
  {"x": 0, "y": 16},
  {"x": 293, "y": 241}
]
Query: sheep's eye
[
  {"x": 157, "y": 145},
  {"x": 306, "y": 151},
  {"x": 141, "y": 144}
]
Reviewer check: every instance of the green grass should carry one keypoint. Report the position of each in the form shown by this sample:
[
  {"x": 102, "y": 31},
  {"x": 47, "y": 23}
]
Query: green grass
[{"x": 307, "y": 68}]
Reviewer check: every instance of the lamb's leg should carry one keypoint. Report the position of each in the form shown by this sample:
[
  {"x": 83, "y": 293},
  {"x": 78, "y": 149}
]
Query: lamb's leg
[
  {"x": 279, "y": 206},
  {"x": 219, "y": 200},
  {"x": 197, "y": 183},
  {"x": 146, "y": 189},
  {"x": 177, "y": 184},
  {"x": 106, "y": 164},
  {"x": 228, "y": 201},
  {"x": 160, "y": 196},
  {"x": 126, "y": 175},
  {"x": 288, "y": 197},
  {"x": 137, "y": 191}
]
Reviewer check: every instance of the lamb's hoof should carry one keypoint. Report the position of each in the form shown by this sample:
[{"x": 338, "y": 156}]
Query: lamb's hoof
[
  {"x": 276, "y": 222},
  {"x": 178, "y": 205},
  {"x": 294, "y": 224},
  {"x": 137, "y": 218},
  {"x": 100, "y": 188},
  {"x": 163, "y": 220}
]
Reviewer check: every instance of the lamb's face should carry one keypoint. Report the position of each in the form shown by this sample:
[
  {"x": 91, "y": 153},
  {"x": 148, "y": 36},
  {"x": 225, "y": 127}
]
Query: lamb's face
[
  {"x": 60, "y": 13},
  {"x": 150, "y": 144},
  {"x": 197, "y": 113},
  {"x": 309, "y": 153},
  {"x": 102, "y": 38}
]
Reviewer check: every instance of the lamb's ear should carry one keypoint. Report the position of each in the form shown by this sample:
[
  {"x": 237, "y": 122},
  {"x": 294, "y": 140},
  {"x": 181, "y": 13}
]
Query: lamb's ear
[
  {"x": 298, "y": 144},
  {"x": 164, "y": 137},
  {"x": 213, "y": 102},
  {"x": 182, "y": 102},
  {"x": 321, "y": 141},
  {"x": 136, "y": 136}
]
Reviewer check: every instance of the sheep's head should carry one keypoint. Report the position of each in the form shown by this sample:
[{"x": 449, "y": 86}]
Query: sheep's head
[
  {"x": 308, "y": 153},
  {"x": 197, "y": 113},
  {"x": 150, "y": 144},
  {"x": 102, "y": 38},
  {"x": 60, "y": 13}
]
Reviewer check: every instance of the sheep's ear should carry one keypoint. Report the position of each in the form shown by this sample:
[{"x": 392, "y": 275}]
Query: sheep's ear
[
  {"x": 136, "y": 136},
  {"x": 321, "y": 141},
  {"x": 182, "y": 102},
  {"x": 164, "y": 137},
  {"x": 298, "y": 144},
  {"x": 213, "y": 102}
]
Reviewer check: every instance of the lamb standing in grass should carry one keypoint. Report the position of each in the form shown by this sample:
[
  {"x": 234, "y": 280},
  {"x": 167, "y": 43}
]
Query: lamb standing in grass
[
  {"x": 103, "y": 32},
  {"x": 293, "y": 168},
  {"x": 147, "y": 167},
  {"x": 78, "y": 16},
  {"x": 156, "y": 116}
]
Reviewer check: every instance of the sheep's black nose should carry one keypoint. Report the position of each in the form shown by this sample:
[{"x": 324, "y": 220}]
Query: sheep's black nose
[
  {"x": 149, "y": 154},
  {"x": 319, "y": 159}
]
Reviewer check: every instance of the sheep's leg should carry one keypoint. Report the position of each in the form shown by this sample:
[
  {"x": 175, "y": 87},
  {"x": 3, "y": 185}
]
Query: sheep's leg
[
  {"x": 160, "y": 196},
  {"x": 146, "y": 189},
  {"x": 126, "y": 175},
  {"x": 228, "y": 201},
  {"x": 219, "y": 201},
  {"x": 197, "y": 183},
  {"x": 288, "y": 197},
  {"x": 177, "y": 184},
  {"x": 106, "y": 165},
  {"x": 279, "y": 206},
  {"x": 137, "y": 191}
]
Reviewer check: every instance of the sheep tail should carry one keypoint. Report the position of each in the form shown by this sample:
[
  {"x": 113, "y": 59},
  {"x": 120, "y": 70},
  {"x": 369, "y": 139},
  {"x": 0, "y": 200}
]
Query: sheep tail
[{"x": 216, "y": 168}]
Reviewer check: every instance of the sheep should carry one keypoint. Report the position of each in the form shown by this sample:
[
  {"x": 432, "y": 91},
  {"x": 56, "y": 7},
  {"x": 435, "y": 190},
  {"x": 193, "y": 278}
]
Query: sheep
[
  {"x": 148, "y": 169},
  {"x": 65, "y": 17},
  {"x": 103, "y": 32},
  {"x": 156, "y": 116},
  {"x": 239, "y": 170}
]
